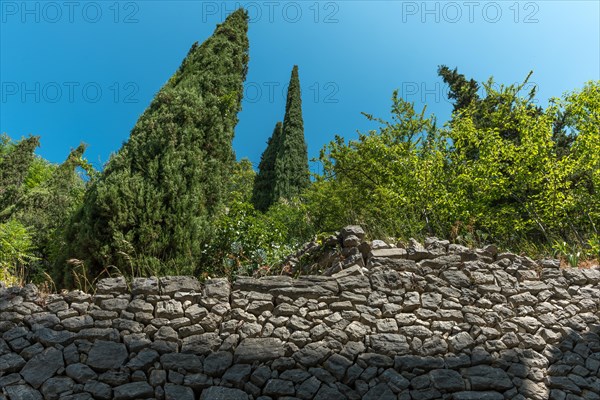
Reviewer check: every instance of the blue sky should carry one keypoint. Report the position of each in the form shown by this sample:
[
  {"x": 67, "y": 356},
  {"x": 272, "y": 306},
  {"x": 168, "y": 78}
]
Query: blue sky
[{"x": 84, "y": 71}]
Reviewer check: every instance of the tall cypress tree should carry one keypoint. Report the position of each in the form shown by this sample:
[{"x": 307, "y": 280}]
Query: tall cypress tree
[
  {"x": 291, "y": 165},
  {"x": 151, "y": 209},
  {"x": 263, "y": 193}
]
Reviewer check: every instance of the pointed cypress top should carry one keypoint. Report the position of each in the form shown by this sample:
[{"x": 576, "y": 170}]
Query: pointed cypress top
[
  {"x": 263, "y": 195},
  {"x": 291, "y": 167}
]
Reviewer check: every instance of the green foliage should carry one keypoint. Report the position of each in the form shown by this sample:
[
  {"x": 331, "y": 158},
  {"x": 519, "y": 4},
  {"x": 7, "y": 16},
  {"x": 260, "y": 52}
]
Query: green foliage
[
  {"x": 16, "y": 252},
  {"x": 461, "y": 90},
  {"x": 152, "y": 208},
  {"x": 390, "y": 181},
  {"x": 571, "y": 253},
  {"x": 283, "y": 169},
  {"x": 48, "y": 207},
  {"x": 263, "y": 194},
  {"x": 463, "y": 93},
  {"x": 594, "y": 246},
  {"x": 241, "y": 182},
  {"x": 43, "y": 200},
  {"x": 38, "y": 199},
  {"x": 495, "y": 173},
  {"x": 15, "y": 160},
  {"x": 583, "y": 161},
  {"x": 247, "y": 240},
  {"x": 39, "y": 172},
  {"x": 291, "y": 164}
]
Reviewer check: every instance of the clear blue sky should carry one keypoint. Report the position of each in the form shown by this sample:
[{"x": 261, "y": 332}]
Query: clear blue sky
[{"x": 56, "y": 58}]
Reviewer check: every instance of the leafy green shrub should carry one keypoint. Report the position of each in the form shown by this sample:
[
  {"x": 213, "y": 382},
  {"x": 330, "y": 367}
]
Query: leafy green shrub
[
  {"x": 497, "y": 172},
  {"x": 246, "y": 240},
  {"x": 16, "y": 252}
]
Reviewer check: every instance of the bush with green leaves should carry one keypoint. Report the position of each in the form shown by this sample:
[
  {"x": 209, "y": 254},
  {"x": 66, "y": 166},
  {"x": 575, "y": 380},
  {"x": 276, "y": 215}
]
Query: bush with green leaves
[
  {"x": 496, "y": 172},
  {"x": 247, "y": 240},
  {"x": 16, "y": 252},
  {"x": 391, "y": 180},
  {"x": 38, "y": 199}
]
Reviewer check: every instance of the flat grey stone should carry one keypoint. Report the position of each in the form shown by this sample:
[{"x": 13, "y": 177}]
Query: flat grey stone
[
  {"x": 389, "y": 344},
  {"x": 215, "y": 364},
  {"x": 487, "y": 395},
  {"x": 312, "y": 354},
  {"x": 308, "y": 292},
  {"x": 337, "y": 365},
  {"x": 223, "y": 393},
  {"x": 410, "y": 362},
  {"x": 178, "y": 392},
  {"x": 113, "y": 286},
  {"x": 380, "y": 391},
  {"x": 395, "y": 381},
  {"x": 201, "y": 344},
  {"x": 11, "y": 362},
  {"x": 10, "y": 379},
  {"x": 259, "y": 349},
  {"x": 295, "y": 375},
  {"x": 46, "y": 319},
  {"x": 385, "y": 279},
  {"x": 485, "y": 377},
  {"x": 93, "y": 334},
  {"x": 15, "y": 333},
  {"x": 143, "y": 360},
  {"x": 169, "y": 309},
  {"x": 308, "y": 388},
  {"x": 78, "y": 396},
  {"x": 22, "y": 392},
  {"x": 279, "y": 387},
  {"x": 218, "y": 288},
  {"x": 327, "y": 392},
  {"x": 169, "y": 285},
  {"x": 261, "y": 285},
  {"x": 461, "y": 341},
  {"x": 133, "y": 391},
  {"x": 99, "y": 390},
  {"x": 49, "y": 337},
  {"x": 238, "y": 374},
  {"x": 355, "y": 230},
  {"x": 105, "y": 355},
  {"x": 456, "y": 278},
  {"x": 78, "y": 323},
  {"x": 447, "y": 380},
  {"x": 394, "y": 253},
  {"x": 42, "y": 366},
  {"x": 81, "y": 373},
  {"x": 53, "y": 387},
  {"x": 114, "y": 378},
  {"x": 198, "y": 381},
  {"x": 145, "y": 286}
]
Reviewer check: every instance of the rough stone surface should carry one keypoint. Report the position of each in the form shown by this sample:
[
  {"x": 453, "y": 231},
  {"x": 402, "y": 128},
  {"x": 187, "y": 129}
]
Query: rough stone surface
[
  {"x": 428, "y": 321},
  {"x": 42, "y": 367},
  {"x": 106, "y": 355}
]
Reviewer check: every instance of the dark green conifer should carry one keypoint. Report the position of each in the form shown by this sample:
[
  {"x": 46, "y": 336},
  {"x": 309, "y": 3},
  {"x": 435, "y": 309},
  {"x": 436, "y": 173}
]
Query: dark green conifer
[
  {"x": 462, "y": 90},
  {"x": 291, "y": 165},
  {"x": 263, "y": 193},
  {"x": 151, "y": 209}
]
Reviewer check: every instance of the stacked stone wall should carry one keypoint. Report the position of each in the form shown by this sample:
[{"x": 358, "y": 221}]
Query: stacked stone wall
[{"x": 433, "y": 321}]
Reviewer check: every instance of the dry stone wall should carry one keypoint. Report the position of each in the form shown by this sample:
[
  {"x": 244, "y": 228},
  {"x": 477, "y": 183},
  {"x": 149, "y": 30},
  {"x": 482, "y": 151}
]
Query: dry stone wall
[{"x": 438, "y": 321}]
